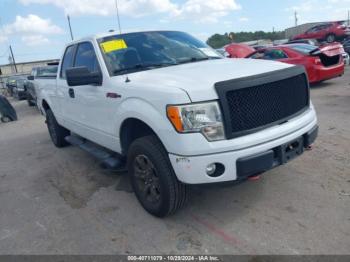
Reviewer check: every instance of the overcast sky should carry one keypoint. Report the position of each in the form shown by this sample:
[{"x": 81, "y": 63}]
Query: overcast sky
[{"x": 37, "y": 29}]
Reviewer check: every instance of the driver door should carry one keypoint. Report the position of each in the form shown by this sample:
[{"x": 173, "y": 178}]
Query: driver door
[{"x": 90, "y": 105}]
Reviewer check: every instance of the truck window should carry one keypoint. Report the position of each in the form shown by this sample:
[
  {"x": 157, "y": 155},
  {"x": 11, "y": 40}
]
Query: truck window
[
  {"x": 134, "y": 52},
  {"x": 86, "y": 56},
  {"x": 47, "y": 71},
  {"x": 67, "y": 61}
]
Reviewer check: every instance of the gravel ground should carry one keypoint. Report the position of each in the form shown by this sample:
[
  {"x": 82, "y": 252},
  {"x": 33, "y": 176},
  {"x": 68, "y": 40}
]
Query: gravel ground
[{"x": 59, "y": 201}]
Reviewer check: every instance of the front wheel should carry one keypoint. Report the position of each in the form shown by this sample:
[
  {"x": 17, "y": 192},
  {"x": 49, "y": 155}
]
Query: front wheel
[
  {"x": 57, "y": 133},
  {"x": 153, "y": 179}
]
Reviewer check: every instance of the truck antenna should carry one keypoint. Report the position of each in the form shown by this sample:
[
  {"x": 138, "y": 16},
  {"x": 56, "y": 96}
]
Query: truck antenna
[
  {"x": 118, "y": 17},
  {"x": 127, "y": 80},
  {"x": 70, "y": 28}
]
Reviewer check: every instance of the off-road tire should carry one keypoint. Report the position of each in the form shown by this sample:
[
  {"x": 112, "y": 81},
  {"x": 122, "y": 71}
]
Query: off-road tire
[
  {"x": 6, "y": 119},
  {"x": 172, "y": 193},
  {"x": 57, "y": 132}
]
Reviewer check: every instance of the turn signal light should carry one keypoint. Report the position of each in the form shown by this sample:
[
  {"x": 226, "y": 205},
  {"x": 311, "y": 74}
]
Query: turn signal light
[{"x": 175, "y": 118}]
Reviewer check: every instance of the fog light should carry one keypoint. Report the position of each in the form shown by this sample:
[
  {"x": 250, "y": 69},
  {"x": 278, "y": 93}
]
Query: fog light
[{"x": 211, "y": 169}]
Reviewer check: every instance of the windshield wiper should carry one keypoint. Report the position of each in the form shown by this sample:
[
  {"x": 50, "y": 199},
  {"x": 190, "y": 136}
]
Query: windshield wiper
[
  {"x": 196, "y": 59},
  {"x": 144, "y": 66}
]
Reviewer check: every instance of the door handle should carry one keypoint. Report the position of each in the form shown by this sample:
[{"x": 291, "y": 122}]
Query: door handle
[{"x": 71, "y": 92}]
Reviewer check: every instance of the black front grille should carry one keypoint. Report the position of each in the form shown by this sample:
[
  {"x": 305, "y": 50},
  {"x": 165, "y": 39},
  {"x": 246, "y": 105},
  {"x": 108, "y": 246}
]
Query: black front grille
[{"x": 254, "y": 104}]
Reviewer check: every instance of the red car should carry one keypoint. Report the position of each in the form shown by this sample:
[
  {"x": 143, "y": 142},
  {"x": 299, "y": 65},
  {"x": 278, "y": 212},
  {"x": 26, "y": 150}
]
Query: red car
[
  {"x": 239, "y": 50},
  {"x": 326, "y": 31},
  {"x": 321, "y": 63}
]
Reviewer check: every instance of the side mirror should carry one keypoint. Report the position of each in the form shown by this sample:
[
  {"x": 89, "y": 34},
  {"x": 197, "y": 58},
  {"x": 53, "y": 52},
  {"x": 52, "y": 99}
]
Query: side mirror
[
  {"x": 81, "y": 76},
  {"x": 31, "y": 78}
]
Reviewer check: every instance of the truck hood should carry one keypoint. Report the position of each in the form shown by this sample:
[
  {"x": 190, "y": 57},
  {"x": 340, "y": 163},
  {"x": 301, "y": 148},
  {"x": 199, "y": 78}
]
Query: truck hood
[{"x": 198, "y": 79}]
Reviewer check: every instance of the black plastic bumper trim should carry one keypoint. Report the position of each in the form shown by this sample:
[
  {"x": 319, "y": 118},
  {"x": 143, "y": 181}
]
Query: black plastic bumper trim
[
  {"x": 310, "y": 137},
  {"x": 262, "y": 162}
]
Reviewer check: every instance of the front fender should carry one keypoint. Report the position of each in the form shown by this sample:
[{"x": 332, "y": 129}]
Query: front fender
[{"x": 151, "y": 115}]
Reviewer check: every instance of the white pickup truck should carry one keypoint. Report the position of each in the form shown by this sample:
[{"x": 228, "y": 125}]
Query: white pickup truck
[{"x": 174, "y": 112}]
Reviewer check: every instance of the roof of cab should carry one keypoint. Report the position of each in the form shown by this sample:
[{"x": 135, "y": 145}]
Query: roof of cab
[{"x": 102, "y": 35}]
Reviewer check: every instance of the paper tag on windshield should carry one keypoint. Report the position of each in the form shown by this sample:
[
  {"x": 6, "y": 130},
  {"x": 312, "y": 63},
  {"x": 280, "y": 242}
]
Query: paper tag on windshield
[
  {"x": 209, "y": 52},
  {"x": 113, "y": 45}
]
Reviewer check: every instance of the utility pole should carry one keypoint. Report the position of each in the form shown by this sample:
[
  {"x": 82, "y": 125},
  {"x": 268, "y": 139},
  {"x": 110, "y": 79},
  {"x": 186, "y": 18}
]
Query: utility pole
[
  {"x": 296, "y": 18},
  {"x": 70, "y": 28},
  {"x": 13, "y": 60},
  {"x": 348, "y": 17}
]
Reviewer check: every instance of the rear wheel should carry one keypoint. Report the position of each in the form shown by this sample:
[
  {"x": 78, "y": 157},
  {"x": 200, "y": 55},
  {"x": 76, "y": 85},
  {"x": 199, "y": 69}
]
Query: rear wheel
[
  {"x": 330, "y": 38},
  {"x": 153, "y": 179},
  {"x": 57, "y": 132},
  {"x": 5, "y": 119}
]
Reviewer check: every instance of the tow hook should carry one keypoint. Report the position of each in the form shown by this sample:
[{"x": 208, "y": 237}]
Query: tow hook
[
  {"x": 254, "y": 178},
  {"x": 310, "y": 147}
]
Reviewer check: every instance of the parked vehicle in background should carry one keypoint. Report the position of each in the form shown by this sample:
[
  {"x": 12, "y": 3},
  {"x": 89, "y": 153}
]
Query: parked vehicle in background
[
  {"x": 346, "y": 45},
  {"x": 280, "y": 42},
  {"x": 321, "y": 63},
  {"x": 3, "y": 81},
  {"x": 329, "y": 32},
  {"x": 259, "y": 47},
  {"x": 222, "y": 52},
  {"x": 16, "y": 86},
  {"x": 314, "y": 42},
  {"x": 239, "y": 50},
  {"x": 7, "y": 112},
  {"x": 10, "y": 84},
  {"x": 19, "y": 89},
  {"x": 346, "y": 58},
  {"x": 35, "y": 83},
  {"x": 175, "y": 112}
]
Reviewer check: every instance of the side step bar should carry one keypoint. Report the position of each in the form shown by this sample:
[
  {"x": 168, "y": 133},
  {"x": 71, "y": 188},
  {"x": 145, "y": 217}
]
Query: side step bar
[{"x": 108, "y": 159}]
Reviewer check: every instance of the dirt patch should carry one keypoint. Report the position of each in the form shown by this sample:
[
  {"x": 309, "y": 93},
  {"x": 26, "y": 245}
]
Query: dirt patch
[{"x": 76, "y": 186}]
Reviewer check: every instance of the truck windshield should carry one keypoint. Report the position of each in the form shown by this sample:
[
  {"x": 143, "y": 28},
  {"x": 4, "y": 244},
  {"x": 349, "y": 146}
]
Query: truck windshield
[{"x": 133, "y": 52}]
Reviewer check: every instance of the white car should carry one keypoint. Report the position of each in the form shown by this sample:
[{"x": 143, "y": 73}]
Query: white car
[{"x": 174, "y": 112}]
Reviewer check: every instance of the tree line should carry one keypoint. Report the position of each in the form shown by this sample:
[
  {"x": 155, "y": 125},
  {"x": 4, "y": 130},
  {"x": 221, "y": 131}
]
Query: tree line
[{"x": 218, "y": 41}]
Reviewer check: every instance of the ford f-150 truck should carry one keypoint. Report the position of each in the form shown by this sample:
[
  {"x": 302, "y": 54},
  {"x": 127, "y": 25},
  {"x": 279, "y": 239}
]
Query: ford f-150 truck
[{"x": 174, "y": 112}]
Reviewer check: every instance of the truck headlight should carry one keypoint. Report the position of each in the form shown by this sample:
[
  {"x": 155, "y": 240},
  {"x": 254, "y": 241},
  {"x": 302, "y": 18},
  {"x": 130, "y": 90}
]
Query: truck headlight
[{"x": 202, "y": 118}]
